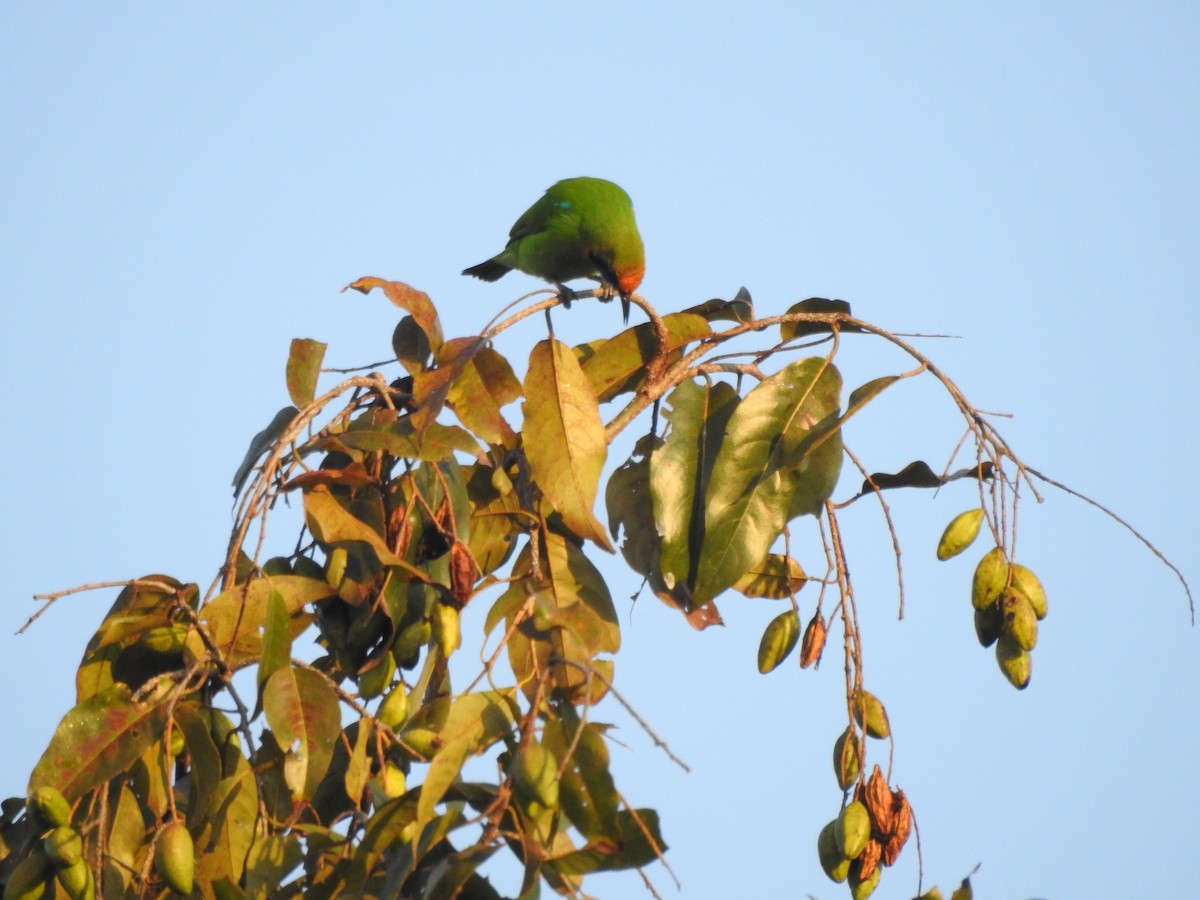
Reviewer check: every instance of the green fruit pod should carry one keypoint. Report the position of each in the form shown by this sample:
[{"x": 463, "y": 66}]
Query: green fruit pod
[
  {"x": 1015, "y": 663},
  {"x": 63, "y": 846},
  {"x": 778, "y": 641},
  {"x": 835, "y": 865},
  {"x": 535, "y": 776},
  {"x": 847, "y": 758},
  {"x": 1020, "y": 621},
  {"x": 852, "y": 829},
  {"x": 861, "y": 889},
  {"x": 49, "y": 807},
  {"x": 988, "y": 624},
  {"x": 374, "y": 681},
  {"x": 28, "y": 880},
  {"x": 960, "y": 534},
  {"x": 393, "y": 711},
  {"x": 175, "y": 857},
  {"x": 1027, "y": 583},
  {"x": 870, "y": 715},
  {"x": 446, "y": 628},
  {"x": 423, "y": 741},
  {"x": 991, "y": 577},
  {"x": 77, "y": 881}
]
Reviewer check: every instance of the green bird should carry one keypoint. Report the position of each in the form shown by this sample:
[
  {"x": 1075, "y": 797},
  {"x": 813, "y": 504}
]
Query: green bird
[{"x": 580, "y": 228}]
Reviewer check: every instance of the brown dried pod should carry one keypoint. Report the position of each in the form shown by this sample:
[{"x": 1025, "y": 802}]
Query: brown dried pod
[
  {"x": 463, "y": 572},
  {"x": 868, "y": 862},
  {"x": 813, "y": 642},
  {"x": 901, "y": 828},
  {"x": 877, "y": 797}
]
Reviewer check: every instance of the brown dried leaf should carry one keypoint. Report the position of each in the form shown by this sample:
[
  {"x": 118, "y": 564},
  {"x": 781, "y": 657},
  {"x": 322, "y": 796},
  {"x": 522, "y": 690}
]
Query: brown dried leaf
[
  {"x": 813, "y": 643},
  {"x": 353, "y": 476}
]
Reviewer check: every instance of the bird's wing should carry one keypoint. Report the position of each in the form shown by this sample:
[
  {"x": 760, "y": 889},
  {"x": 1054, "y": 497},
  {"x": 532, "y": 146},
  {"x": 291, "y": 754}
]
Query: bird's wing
[{"x": 535, "y": 219}]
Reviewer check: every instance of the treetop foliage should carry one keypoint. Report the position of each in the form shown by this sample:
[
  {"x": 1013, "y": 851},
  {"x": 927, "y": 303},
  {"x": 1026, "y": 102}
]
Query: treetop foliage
[{"x": 294, "y": 730}]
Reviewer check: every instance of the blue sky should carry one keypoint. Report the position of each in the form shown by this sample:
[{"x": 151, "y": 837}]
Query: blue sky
[{"x": 185, "y": 190}]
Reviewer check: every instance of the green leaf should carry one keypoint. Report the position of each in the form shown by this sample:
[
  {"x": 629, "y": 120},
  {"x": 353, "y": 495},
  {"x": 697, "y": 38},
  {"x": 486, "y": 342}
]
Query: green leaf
[
  {"x": 454, "y": 877},
  {"x": 126, "y": 835},
  {"x": 302, "y": 710},
  {"x": 303, "y": 369},
  {"x": 815, "y": 306},
  {"x": 579, "y": 620},
  {"x": 618, "y": 365},
  {"x": 639, "y": 845},
  {"x": 485, "y": 385},
  {"x": 234, "y": 616},
  {"x": 680, "y": 471},
  {"x": 332, "y": 523},
  {"x": 495, "y": 511},
  {"x": 564, "y": 437},
  {"x": 205, "y": 761},
  {"x": 99, "y": 740},
  {"x": 277, "y": 640},
  {"x": 588, "y": 794},
  {"x": 270, "y": 860},
  {"x": 233, "y": 826},
  {"x": 739, "y": 309},
  {"x": 627, "y": 498},
  {"x": 776, "y": 577},
  {"x": 770, "y": 466}
]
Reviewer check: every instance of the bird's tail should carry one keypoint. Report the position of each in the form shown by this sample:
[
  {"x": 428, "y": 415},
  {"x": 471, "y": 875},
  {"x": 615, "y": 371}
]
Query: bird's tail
[{"x": 491, "y": 270}]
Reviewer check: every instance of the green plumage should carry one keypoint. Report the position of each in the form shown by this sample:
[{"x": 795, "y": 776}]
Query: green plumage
[{"x": 580, "y": 228}]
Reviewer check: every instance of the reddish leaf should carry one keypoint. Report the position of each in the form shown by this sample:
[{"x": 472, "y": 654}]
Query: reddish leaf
[{"x": 98, "y": 740}]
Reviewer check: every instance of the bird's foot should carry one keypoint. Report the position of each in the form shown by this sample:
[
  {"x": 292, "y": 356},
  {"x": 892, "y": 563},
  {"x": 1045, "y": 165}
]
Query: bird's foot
[{"x": 565, "y": 295}]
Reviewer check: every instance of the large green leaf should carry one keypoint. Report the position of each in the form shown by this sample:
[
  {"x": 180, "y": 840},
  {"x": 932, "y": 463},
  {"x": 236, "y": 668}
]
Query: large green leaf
[
  {"x": 588, "y": 795},
  {"x": 205, "y": 760},
  {"x": 302, "y": 710},
  {"x": 680, "y": 471},
  {"x": 564, "y": 437},
  {"x": 479, "y": 392},
  {"x": 763, "y": 466},
  {"x": 98, "y": 740},
  {"x": 232, "y": 827}
]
